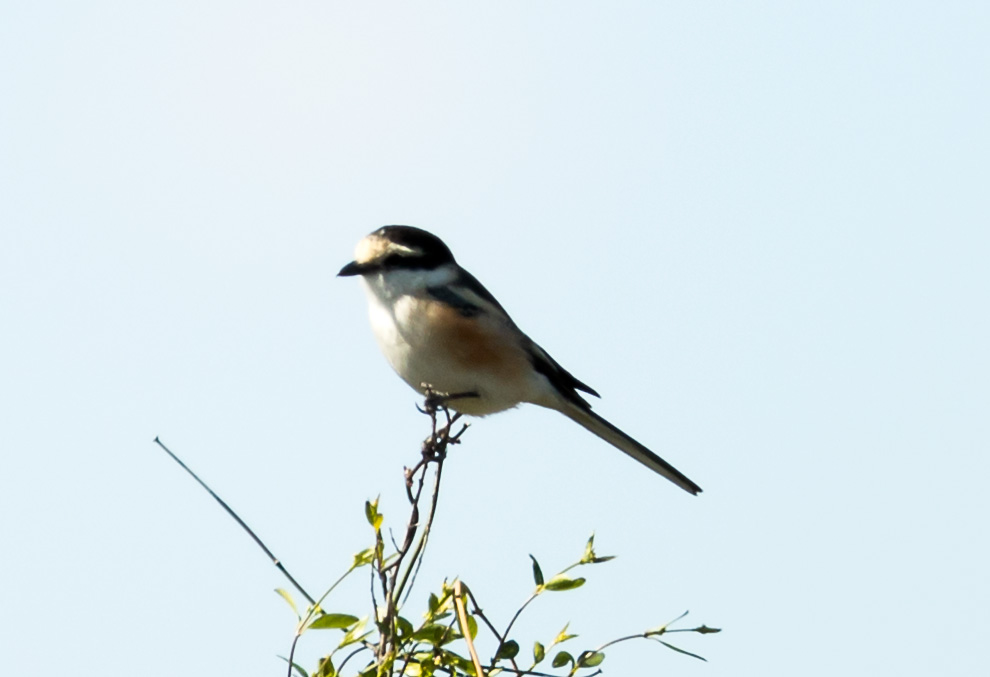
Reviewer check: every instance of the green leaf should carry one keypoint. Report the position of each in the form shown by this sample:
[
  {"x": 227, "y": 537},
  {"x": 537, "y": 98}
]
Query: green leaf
[
  {"x": 444, "y": 604},
  {"x": 295, "y": 666},
  {"x": 561, "y": 582},
  {"x": 537, "y": 572},
  {"x": 539, "y": 653},
  {"x": 288, "y": 598},
  {"x": 589, "y": 550},
  {"x": 508, "y": 650},
  {"x": 330, "y": 621},
  {"x": 472, "y": 626},
  {"x": 435, "y": 634},
  {"x": 590, "y": 557},
  {"x": 686, "y": 653},
  {"x": 590, "y": 659},
  {"x": 705, "y": 630},
  {"x": 354, "y": 634},
  {"x": 371, "y": 512},
  {"x": 453, "y": 660},
  {"x": 424, "y": 665},
  {"x": 439, "y": 608},
  {"x": 404, "y": 627},
  {"x": 562, "y": 636},
  {"x": 663, "y": 628},
  {"x": 562, "y": 658},
  {"x": 325, "y": 668},
  {"x": 363, "y": 558}
]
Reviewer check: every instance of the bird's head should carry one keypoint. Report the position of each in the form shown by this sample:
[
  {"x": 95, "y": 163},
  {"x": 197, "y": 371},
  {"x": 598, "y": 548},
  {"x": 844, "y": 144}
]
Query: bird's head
[{"x": 397, "y": 248}]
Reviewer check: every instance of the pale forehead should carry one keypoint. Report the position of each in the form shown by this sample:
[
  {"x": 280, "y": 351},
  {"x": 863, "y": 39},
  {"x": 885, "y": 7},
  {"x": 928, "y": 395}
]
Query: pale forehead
[{"x": 375, "y": 246}]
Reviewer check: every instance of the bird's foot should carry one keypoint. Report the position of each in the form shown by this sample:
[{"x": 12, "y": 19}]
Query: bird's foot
[
  {"x": 435, "y": 446},
  {"x": 436, "y": 400}
]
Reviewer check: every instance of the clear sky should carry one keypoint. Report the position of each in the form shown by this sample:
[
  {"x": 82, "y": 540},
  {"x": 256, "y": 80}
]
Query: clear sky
[{"x": 760, "y": 230}]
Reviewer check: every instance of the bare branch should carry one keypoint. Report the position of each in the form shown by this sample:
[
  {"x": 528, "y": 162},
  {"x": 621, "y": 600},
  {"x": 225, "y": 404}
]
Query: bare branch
[{"x": 244, "y": 526}]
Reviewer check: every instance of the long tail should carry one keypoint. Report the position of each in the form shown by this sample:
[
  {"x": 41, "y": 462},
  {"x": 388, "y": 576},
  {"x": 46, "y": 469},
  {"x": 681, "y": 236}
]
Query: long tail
[{"x": 622, "y": 441}]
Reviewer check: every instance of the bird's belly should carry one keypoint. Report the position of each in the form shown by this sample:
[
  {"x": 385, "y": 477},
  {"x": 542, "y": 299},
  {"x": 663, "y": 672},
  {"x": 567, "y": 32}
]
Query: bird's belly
[{"x": 428, "y": 342}]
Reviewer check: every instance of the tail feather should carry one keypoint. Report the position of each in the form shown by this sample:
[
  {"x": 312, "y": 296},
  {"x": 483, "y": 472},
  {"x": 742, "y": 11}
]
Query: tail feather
[{"x": 618, "y": 439}]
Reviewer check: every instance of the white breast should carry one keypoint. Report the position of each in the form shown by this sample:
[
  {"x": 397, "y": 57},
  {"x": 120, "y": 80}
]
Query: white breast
[{"x": 397, "y": 307}]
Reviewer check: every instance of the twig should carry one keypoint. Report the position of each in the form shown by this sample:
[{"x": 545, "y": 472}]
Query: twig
[
  {"x": 351, "y": 655},
  {"x": 378, "y": 565},
  {"x": 244, "y": 526},
  {"x": 413, "y": 524},
  {"x": 292, "y": 651},
  {"x": 519, "y": 611},
  {"x": 313, "y": 610},
  {"x": 414, "y": 563},
  {"x": 537, "y": 673},
  {"x": 438, "y": 443},
  {"x": 481, "y": 614},
  {"x": 393, "y": 579}
]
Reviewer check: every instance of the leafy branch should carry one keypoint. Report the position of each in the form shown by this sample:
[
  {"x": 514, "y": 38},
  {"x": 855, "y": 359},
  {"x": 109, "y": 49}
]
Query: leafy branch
[{"x": 393, "y": 644}]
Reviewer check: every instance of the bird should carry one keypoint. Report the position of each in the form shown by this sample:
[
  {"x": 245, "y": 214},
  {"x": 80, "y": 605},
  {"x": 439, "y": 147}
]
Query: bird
[{"x": 443, "y": 332}]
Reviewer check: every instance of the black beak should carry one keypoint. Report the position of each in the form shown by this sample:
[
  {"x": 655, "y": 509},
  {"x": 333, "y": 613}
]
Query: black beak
[{"x": 352, "y": 268}]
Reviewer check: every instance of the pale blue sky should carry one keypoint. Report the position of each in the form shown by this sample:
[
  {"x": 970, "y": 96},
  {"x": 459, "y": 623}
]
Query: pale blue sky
[{"x": 760, "y": 230}]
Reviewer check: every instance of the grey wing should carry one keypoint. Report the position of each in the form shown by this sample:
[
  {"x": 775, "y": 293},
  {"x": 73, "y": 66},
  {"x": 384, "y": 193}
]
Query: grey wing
[{"x": 561, "y": 379}]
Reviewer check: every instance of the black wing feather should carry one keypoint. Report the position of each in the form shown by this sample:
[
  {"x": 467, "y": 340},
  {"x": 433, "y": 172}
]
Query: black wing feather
[
  {"x": 454, "y": 300},
  {"x": 561, "y": 379}
]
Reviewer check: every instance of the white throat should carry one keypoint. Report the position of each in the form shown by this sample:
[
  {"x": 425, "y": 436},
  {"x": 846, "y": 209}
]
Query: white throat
[{"x": 388, "y": 286}]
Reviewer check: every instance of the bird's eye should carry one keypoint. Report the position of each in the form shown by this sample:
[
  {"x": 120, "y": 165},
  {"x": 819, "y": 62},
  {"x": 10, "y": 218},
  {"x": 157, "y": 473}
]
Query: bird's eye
[{"x": 392, "y": 260}]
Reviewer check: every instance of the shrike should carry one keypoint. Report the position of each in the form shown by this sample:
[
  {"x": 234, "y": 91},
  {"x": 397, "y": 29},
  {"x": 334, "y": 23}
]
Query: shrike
[{"x": 439, "y": 327}]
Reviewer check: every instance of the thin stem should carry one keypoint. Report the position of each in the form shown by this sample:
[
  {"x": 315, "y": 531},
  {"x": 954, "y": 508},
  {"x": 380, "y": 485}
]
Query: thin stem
[
  {"x": 517, "y": 614},
  {"x": 340, "y": 668},
  {"x": 237, "y": 518},
  {"x": 536, "y": 673},
  {"x": 409, "y": 654},
  {"x": 371, "y": 586},
  {"x": 465, "y": 628},
  {"x": 641, "y": 635},
  {"x": 644, "y": 635},
  {"x": 292, "y": 651},
  {"x": 393, "y": 579},
  {"x": 378, "y": 565},
  {"x": 481, "y": 614},
  {"x": 316, "y": 605},
  {"x": 413, "y": 563},
  {"x": 413, "y": 526},
  {"x": 304, "y": 622},
  {"x": 434, "y": 450}
]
